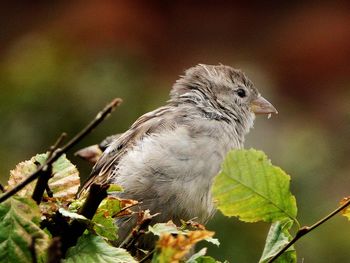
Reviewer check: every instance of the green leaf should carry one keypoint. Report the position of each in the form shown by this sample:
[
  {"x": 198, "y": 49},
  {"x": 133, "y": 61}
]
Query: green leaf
[
  {"x": 114, "y": 188},
  {"x": 277, "y": 238},
  {"x": 200, "y": 257},
  {"x": 93, "y": 249},
  {"x": 253, "y": 189},
  {"x": 19, "y": 223},
  {"x": 73, "y": 215},
  {"x": 204, "y": 259},
  {"x": 76, "y": 205},
  {"x": 105, "y": 226},
  {"x": 104, "y": 223},
  {"x": 164, "y": 228},
  {"x": 110, "y": 204}
]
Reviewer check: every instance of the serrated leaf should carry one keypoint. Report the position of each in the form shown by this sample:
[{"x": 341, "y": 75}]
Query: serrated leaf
[
  {"x": 111, "y": 205},
  {"x": 164, "y": 228},
  {"x": 73, "y": 215},
  {"x": 105, "y": 226},
  {"x": 172, "y": 248},
  {"x": 104, "y": 223},
  {"x": 253, "y": 189},
  {"x": 19, "y": 223},
  {"x": 170, "y": 228},
  {"x": 93, "y": 249},
  {"x": 64, "y": 183},
  {"x": 277, "y": 238}
]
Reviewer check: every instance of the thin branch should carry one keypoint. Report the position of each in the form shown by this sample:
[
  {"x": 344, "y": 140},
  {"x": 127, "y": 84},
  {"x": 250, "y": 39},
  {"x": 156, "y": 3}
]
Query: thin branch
[
  {"x": 100, "y": 117},
  {"x": 57, "y": 144},
  {"x": 307, "y": 229},
  {"x": 138, "y": 230},
  {"x": 54, "y": 254},
  {"x": 45, "y": 174},
  {"x": 43, "y": 178},
  {"x": 121, "y": 211},
  {"x": 147, "y": 256},
  {"x": 56, "y": 154},
  {"x": 97, "y": 193},
  {"x": 32, "y": 250}
]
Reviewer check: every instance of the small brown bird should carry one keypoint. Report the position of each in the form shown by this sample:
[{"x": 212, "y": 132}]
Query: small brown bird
[{"x": 168, "y": 158}]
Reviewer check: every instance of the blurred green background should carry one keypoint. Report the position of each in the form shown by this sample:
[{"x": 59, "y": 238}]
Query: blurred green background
[{"x": 61, "y": 61}]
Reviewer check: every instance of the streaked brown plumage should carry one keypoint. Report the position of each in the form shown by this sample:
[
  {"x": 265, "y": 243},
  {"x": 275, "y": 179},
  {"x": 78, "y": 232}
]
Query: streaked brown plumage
[{"x": 168, "y": 157}]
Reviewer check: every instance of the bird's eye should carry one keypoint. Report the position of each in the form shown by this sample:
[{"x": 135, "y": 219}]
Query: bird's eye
[{"x": 241, "y": 93}]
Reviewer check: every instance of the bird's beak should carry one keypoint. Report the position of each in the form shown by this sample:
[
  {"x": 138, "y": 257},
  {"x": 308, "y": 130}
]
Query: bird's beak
[{"x": 261, "y": 106}]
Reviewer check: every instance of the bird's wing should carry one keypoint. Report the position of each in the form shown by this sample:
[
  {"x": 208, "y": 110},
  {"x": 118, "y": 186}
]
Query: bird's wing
[{"x": 164, "y": 118}]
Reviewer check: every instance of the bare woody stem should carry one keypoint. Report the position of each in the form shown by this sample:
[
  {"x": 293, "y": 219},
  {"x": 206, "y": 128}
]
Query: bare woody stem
[
  {"x": 54, "y": 254},
  {"x": 307, "y": 229},
  {"x": 45, "y": 174},
  {"x": 57, "y": 153},
  {"x": 97, "y": 193}
]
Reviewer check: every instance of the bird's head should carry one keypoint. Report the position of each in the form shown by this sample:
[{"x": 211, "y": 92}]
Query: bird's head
[{"x": 222, "y": 92}]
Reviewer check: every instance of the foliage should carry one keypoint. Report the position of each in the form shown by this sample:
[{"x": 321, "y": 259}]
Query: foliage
[
  {"x": 173, "y": 248},
  {"x": 64, "y": 182},
  {"x": 248, "y": 187},
  {"x": 277, "y": 238},
  {"x": 93, "y": 249},
  {"x": 19, "y": 225},
  {"x": 251, "y": 188}
]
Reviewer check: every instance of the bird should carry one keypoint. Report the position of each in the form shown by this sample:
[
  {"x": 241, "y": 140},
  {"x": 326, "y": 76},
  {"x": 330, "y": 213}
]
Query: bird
[{"x": 168, "y": 158}]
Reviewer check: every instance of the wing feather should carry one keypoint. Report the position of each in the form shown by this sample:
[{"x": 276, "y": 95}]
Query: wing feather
[{"x": 164, "y": 118}]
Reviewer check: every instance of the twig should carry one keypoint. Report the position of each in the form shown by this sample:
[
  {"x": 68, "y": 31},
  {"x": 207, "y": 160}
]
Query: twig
[
  {"x": 54, "y": 254},
  {"x": 48, "y": 191},
  {"x": 126, "y": 208},
  {"x": 32, "y": 250},
  {"x": 148, "y": 256},
  {"x": 97, "y": 193},
  {"x": 45, "y": 174},
  {"x": 307, "y": 229},
  {"x": 138, "y": 230},
  {"x": 56, "y": 154}
]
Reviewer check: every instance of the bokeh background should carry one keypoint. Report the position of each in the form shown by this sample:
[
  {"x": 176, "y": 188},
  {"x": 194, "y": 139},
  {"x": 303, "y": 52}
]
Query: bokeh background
[{"x": 60, "y": 62}]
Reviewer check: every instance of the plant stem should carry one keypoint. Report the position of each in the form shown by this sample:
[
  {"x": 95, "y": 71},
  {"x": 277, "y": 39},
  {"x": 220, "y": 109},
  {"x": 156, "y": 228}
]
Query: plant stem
[
  {"x": 307, "y": 229},
  {"x": 138, "y": 230},
  {"x": 97, "y": 192},
  {"x": 147, "y": 256},
  {"x": 57, "y": 153},
  {"x": 32, "y": 250},
  {"x": 45, "y": 173},
  {"x": 54, "y": 254}
]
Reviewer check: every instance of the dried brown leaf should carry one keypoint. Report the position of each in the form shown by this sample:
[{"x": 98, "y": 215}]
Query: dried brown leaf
[
  {"x": 174, "y": 248},
  {"x": 65, "y": 179}
]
